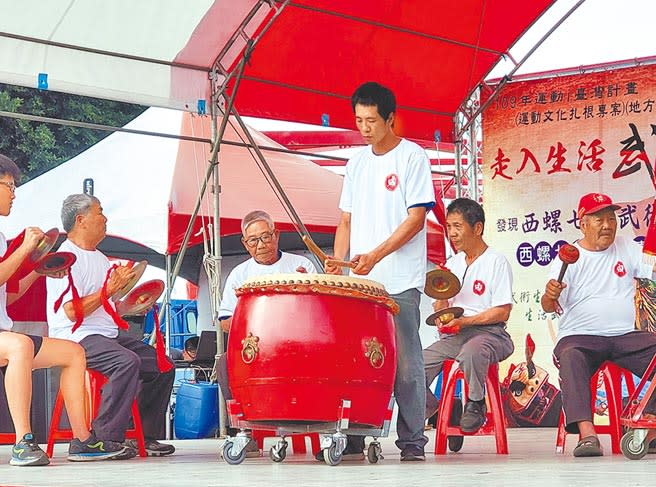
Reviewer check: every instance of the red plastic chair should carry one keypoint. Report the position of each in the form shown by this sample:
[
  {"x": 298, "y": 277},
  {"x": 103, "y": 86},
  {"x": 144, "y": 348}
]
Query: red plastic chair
[
  {"x": 94, "y": 383},
  {"x": 298, "y": 440},
  {"x": 7, "y": 438},
  {"x": 612, "y": 376},
  {"x": 495, "y": 423}
]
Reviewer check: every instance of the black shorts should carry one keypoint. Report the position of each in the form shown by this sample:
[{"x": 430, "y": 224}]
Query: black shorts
[{"x": 38, "y": 341}]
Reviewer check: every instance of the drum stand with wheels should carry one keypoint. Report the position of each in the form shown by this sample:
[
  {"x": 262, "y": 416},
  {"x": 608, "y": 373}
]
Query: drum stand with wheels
[
  {"x": 634, "y": 444},
  {"x": 333, "y": 435}
]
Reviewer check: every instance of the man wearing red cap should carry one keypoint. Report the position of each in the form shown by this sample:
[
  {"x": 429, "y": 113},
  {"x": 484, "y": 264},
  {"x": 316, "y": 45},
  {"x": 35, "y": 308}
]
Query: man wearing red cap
[{"x": 597, "y": 315}]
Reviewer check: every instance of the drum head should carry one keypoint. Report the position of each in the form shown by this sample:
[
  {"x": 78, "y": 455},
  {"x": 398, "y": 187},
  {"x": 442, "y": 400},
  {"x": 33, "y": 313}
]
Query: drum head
[
  {"x": 447, "y": 313},
  {"x": 45, "y": 245},
  {"x": 55, "y": 262},
  {"x": 138, "y": 269},
  {"x": 141, "y": 298},
  {"x": 441, "y": 284}
]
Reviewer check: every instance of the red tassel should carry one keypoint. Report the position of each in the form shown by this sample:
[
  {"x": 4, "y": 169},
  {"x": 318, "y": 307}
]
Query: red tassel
[
  {"x": 78, "y": 309},
  {"x": 13, "y": 283},
  {"x": 163, "y": 362},
  {"x": 120, "y": 322}
]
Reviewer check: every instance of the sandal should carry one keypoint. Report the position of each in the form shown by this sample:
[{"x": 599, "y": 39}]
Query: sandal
[{"x": 588, "y": 447}]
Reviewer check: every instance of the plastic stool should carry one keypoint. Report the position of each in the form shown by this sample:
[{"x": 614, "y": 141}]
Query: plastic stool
[
  {"x": 94, "y": 383},
  {"x": 612, "y": 376},
  {"x": 298, "y": 440},
  {"x": 495, "y": 423},
  {"x": 7, "y": 438}
]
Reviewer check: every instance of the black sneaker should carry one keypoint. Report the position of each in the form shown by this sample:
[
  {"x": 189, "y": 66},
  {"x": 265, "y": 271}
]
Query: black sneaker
[
  {"x": 413, "y": 453},
  {"x": 153, "y": 447},
  {"x": 93, "y": 449},
  {"x": 26, "y": 453},
  {"x": 473, "y": 416}
]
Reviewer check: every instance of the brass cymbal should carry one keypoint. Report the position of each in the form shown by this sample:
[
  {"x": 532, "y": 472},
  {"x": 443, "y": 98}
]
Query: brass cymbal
[
  {"x": 55, "y": 262},
  {"x": 141, "y": 298},
  {"x": 45, "y": 244},
  {"x": 441, "y": 284},
  {"x": 445, "y": 315},
  {"x": 138, "y": 269}
]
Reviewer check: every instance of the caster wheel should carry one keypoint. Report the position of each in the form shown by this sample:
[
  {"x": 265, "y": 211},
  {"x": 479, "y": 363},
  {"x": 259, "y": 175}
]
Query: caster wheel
[
  {"x": 278, "y": 452},
  {"x": 331, "y": 457},
  {"x": 374, "y": 453},
  {"x": 630, "y": 449},
  {"x": 229, "y": 457}
]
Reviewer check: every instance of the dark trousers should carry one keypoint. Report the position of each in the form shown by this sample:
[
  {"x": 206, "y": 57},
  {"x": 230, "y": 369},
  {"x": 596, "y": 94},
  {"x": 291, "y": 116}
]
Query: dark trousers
[
  {"x": 128, "y": 363},
  {"x": 579, "y": 356}
]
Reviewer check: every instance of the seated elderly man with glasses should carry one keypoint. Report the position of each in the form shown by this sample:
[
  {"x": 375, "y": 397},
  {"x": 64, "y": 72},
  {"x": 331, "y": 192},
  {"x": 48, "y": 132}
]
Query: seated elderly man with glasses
[{"x": 260, "y": 238}]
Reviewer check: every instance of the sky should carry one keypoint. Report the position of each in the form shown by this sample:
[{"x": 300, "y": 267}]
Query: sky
[{"x": 596, "y": 32}]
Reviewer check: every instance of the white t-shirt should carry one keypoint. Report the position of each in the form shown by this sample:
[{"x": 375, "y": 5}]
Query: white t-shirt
[
  {"x": 89, "y": 272},
  {"x": 377, "y": 192},
  {"x": 287, "y": 263},
  {"x": 6, "y": 322},
  {"x": 486, "y": 283},
  {"x": 598, "y": 299}
]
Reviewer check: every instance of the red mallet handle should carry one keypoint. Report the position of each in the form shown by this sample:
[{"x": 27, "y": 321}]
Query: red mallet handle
[{"x": 568, "y": 254}]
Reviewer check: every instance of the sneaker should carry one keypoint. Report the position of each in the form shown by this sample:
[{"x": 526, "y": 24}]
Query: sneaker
[
  {"x": 473, "y": 416},
  {"x": 588, "y": 447},
  {"x": 153, "y": 447},
  {"x": 26, "y": 453},
  {"x": 413, "y": 453},
  {"x": 94, "y": 449}
]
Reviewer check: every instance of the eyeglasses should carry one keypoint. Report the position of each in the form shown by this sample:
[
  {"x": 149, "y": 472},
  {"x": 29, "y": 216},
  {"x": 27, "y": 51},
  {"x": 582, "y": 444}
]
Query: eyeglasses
[
  {"x": 265, "y": 238},
  {"x": 11, "y": 186}
]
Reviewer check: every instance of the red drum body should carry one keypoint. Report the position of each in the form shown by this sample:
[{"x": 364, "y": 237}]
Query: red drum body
[{"x": 301, "y": 343}]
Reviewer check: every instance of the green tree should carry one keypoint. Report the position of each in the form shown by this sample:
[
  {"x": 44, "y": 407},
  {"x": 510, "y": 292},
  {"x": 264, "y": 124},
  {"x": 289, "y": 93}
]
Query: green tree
[{"x": 37, "y": 147}]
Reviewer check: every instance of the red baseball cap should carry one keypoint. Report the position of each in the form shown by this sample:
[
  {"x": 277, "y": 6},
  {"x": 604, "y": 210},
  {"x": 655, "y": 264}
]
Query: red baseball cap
[{"x": 594, "y": 202}]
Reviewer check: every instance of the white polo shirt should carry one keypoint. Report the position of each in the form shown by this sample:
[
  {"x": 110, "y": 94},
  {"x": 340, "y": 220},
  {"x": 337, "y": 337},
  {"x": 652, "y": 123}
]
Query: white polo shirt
[
  {"x": 89, "y": 272},
  {"x": 599, "y": 297},
  {"x": 377, "y": 192},
  {"x": 486, "y": 283},
  {"x": 287, "y": 263}
]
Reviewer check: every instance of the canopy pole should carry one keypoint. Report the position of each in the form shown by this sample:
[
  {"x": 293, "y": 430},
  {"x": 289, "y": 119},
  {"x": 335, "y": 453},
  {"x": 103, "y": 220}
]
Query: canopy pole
[
  {"x": 167, "y": 331},
  {"x": 274, "y": 183}
]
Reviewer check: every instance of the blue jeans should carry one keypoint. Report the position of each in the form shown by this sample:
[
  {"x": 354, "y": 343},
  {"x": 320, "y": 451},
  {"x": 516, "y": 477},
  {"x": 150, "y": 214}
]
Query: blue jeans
[{"x": 410, "y": 383}]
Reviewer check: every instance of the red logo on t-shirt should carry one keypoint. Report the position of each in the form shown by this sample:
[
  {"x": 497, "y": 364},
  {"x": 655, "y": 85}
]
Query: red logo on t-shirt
[
  {"x": 619, "y": 269},
  {"x": 391, "y": 182},
  {"x": 479, "y": 287}
]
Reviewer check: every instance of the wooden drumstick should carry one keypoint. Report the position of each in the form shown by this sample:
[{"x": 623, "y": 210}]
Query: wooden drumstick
[{"x": 325, "y": 260}]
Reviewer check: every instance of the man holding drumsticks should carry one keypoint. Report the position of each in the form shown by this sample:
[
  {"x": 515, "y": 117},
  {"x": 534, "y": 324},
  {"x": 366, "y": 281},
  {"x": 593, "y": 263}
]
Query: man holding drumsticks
[{"x": 386, "y": 194}]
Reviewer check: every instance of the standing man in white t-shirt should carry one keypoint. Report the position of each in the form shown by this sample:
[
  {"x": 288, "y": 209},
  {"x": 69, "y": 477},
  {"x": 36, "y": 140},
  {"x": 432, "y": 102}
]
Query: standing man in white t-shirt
[
  {"x": 478, "y": 338},
  {"x": 386, "y": 193},
  {"x": 131, "y": 366},
  {"x": 598, "y": 315}
]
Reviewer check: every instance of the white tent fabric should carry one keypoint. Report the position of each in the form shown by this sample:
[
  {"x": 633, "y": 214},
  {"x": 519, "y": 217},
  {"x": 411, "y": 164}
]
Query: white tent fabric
[
  {"x": 129, "y": 47},
  {"x": 142, "y": 180}
]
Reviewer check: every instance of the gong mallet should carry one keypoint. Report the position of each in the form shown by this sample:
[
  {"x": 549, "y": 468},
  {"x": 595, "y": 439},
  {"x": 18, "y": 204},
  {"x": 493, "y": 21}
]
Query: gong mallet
[{"x": 568, "y": 254}]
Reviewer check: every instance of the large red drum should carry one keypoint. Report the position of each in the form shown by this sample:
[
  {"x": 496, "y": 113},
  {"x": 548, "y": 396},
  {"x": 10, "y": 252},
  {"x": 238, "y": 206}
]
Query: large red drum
[{"x": 301, "y": 343}]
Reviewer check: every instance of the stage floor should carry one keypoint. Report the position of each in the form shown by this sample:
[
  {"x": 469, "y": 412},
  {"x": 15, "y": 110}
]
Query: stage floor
[{"x": 532, "y": 462}]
